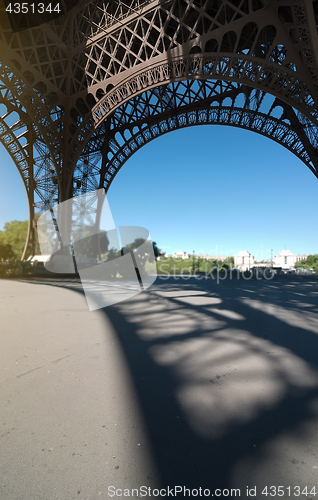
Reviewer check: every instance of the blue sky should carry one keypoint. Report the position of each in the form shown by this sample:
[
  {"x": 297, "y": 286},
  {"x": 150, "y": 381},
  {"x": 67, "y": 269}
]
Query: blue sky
[{"x": 212, "y": 189}]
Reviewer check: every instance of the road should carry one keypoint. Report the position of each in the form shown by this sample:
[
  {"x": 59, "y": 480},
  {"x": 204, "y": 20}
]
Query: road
[{"x": 192, "y": 383}]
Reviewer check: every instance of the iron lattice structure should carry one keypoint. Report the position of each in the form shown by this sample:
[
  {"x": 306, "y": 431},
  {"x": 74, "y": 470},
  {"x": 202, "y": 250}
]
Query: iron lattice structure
[{"x": 82, "y": 92}]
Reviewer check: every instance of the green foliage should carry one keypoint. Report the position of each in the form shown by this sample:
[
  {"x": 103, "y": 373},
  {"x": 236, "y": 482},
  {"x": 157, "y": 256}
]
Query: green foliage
[
  {"x": 170, "y": 265},
  {"x": 300, "y": 263},
  {"x": 133, "y": 246},
  {"x": 198, "y": 264},
  {"x": 9, "y": 269},
  {"x": 229, "y": 261},
  {"x": 111, "y": 255},
  {"x": 14, "y": 234},
  {"x": 220, "y": 264},
  {"x": 6, "y": 252},
  {"x": 88, "y": 246},
  {"x": 122, "y": 268},
  {"x": 310, "y": 263},
  {"x": 148, "y": 267},
  {"x": 223, "y": 264},
  {"x": 157, "y": 251}
]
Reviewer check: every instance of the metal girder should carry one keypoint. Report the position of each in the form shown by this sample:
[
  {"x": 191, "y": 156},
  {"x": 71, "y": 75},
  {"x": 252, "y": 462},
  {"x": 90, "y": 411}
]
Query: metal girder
[{"x": 183, "y": 104}]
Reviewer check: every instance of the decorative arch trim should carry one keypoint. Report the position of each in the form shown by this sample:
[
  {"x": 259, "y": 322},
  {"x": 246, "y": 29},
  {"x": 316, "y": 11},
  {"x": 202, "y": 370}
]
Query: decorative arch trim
[
  {"x": 270, "y": 127},
  {"x": 256, "y": 73}
]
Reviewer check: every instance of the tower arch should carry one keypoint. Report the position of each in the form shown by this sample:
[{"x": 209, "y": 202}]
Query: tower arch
[{"x": 185, "y": 103}]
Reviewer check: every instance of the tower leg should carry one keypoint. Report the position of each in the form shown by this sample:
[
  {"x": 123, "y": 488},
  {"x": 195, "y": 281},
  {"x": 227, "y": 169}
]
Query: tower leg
[{"x": 29, "y": 246}]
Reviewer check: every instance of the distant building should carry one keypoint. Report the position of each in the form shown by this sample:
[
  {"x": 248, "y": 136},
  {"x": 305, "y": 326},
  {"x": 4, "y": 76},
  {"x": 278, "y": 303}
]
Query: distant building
[
  {"x": 213, "y": 257},
  {"x": 243, "y": 260},
  {"x": 300, "y": 257},
  {"x": 184, "y": 256},
  {"x": 287, "y": 260},
  {"x": 180, "y": 255}
]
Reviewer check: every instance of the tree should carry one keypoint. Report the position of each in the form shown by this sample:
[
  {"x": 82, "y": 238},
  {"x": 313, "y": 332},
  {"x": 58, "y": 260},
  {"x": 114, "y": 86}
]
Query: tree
[
  {"x": 198, "y": 262},
  {"x": 229, "y": 261},
  {"x": 300, "y": 263},
  {"x": 90, "y": 245},
  {"x": 112, "y": 254},
  {"x": 134, "y": 245},
  {"x": 220, "y": 264},
  {"x": 140, "y": 241},
  {"x": 157, "y": 251},
  {"x": 310, "y": 263},
  {"x": 14, "y": 234},
  {"x": 6, "y": 252},
  {"x": 312, "y": 260}
]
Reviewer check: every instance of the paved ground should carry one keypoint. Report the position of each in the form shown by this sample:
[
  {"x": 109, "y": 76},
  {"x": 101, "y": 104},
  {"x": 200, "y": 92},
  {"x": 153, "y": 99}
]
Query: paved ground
[{"x": 191, "y": 383}]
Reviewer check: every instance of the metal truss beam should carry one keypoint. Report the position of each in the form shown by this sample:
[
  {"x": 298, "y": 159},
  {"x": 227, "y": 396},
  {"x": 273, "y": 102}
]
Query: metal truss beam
[
  {"x": 283, "y": 84},
  {"x": 184, "y": 104}
]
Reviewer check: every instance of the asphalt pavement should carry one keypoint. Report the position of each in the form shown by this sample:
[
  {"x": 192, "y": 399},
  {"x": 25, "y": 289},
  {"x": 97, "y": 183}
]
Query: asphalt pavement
[{"x": 194, "y": 384}]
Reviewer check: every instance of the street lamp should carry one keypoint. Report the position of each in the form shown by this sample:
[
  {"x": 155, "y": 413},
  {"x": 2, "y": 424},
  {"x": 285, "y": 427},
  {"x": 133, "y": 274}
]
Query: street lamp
[{"x": 193, "y": 262}]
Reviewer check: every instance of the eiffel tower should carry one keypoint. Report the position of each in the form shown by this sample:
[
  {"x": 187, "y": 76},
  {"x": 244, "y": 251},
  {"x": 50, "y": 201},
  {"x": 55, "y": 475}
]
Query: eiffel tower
[{"x": 84, "y": 88}]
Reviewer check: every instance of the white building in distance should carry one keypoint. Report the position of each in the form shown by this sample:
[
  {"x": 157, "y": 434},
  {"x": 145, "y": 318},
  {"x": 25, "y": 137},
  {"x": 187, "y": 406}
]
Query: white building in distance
[
  {"x": 213, "y": 257},
  {"x": 286, "y": 259},
  {"x": 300, "y": 257},
  {"x": 184, "y": 255},
  {"x": 180, "y": 255},
  {"x": 243, "y": 260}
]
